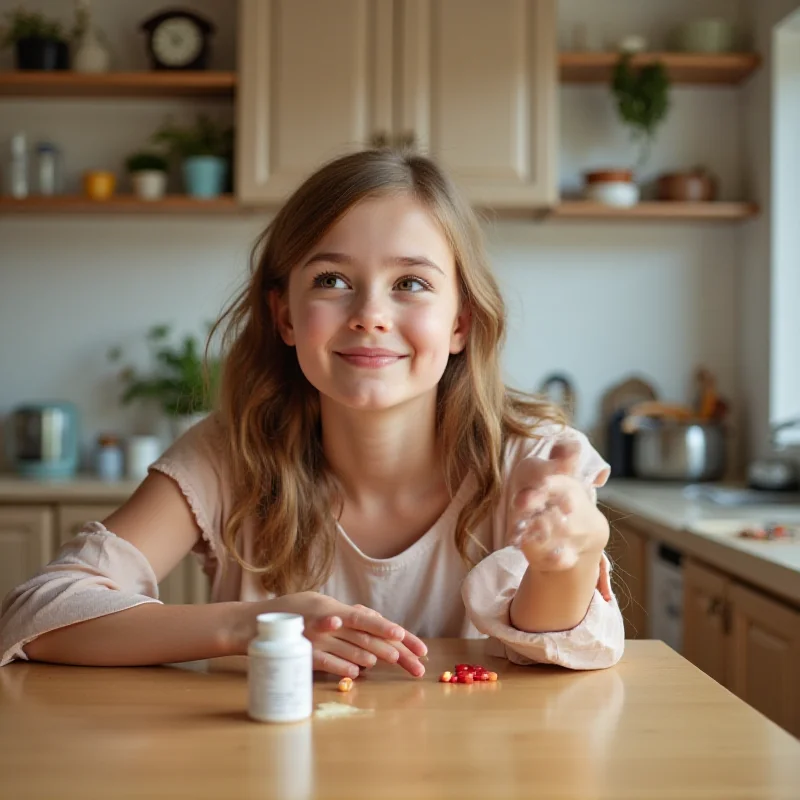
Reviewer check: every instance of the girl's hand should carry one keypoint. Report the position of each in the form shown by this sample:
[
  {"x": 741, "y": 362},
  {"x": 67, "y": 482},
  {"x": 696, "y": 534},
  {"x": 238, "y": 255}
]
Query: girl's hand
[
  {"x": 554, "y": 519},
  {"x": 346, "y": 638}
]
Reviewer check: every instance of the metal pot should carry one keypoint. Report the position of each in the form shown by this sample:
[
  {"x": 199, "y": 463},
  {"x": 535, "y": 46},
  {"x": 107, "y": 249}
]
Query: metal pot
[{"x": 679, "y": 451}]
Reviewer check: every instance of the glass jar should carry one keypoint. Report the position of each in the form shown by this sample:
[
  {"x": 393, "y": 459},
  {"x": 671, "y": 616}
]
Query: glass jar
[
  {"x": 48, "y": 169},
  {"x": 108, "y": 458}
]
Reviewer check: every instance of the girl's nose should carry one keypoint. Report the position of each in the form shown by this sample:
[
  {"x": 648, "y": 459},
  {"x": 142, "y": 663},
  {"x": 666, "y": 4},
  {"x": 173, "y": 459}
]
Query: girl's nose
[{"x": 370, "y": 314}]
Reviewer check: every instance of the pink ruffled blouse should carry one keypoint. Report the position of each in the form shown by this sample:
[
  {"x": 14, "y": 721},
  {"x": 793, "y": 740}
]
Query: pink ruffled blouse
[{"x": 427, "y": 588}]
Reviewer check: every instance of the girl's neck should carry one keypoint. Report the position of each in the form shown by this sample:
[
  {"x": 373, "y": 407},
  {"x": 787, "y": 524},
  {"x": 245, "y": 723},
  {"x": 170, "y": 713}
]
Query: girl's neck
[{"x": 382, "y": 454}]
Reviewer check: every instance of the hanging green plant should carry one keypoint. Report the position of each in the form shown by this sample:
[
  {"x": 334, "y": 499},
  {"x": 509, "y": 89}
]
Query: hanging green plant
[{"x": 643, "y": 100}]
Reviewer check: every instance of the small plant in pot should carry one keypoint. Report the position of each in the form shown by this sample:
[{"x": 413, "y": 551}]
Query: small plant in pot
[
  {"x": 204, "y": 150},
  {"x": 39, "y": 43},
  {"x": 184, "y": 381},
  {"x": 642, "y": 101},
  {"x": 148, "y": 173}
]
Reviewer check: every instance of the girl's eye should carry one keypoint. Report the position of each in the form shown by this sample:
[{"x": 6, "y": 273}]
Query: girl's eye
[
  {"x": 413, "y": 285},
  {"x": 330, "y": 280}
]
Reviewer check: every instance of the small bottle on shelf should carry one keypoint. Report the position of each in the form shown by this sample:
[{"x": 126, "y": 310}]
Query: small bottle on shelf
[
  {"x": 18, "y": 167},
  {"x": 48, "y": 169}
]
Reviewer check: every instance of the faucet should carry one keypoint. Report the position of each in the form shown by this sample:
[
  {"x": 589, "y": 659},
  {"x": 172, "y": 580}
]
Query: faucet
[{"x": 775, "y": 429}]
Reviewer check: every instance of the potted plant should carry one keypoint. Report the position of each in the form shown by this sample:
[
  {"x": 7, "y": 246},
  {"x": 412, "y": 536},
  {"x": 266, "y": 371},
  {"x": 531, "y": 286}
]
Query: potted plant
[
  {"x": 39, "y": 43},
  {"x": 642, "y": 101},
  {"x": 183, "y": 382},
  {"x": 148, "y": 173},
  {"x": 204, "y": 151}
]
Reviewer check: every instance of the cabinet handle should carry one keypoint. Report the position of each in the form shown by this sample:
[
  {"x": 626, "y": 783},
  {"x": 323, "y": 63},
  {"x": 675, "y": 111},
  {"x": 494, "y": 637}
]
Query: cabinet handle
[
  {"x": 379, "y": 139},
  {"x": 715, "y": 606}
]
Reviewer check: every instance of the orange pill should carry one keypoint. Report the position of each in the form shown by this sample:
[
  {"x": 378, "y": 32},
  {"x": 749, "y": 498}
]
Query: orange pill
[
  {"x": 345, "y": 684},
  {"x": 445, "y": 677},
  {"x": 492, "y": 676}
]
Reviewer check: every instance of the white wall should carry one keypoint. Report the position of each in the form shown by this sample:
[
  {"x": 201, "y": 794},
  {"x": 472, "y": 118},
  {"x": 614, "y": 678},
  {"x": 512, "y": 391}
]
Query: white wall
[
  {"x": 785, "y": 345},
  {"x": 756, "y": 265},
  {"x": 599, "y": 301}
]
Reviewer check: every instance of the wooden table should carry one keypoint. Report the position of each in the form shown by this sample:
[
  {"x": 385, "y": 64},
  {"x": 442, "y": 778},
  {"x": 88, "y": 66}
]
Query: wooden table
[{"x": 652, "y": 727}]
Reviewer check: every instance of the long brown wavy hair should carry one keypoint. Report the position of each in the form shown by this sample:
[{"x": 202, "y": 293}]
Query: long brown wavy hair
[{"x": 281, "y": 481}]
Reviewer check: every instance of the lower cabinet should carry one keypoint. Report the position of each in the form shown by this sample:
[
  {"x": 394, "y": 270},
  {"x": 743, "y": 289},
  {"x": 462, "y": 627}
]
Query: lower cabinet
[
  {"x": 26, "y": 542},
  {"x": 627, "y": 550},
  {"x": 31, "y": 535},
  {"x": 741, "y": 637},
  {"x": 745, "y": 640},
  {"x": 706, "y": 619}
]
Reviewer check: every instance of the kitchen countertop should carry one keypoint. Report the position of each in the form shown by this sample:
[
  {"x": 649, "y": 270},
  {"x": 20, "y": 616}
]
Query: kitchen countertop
[
  {"x": 83, "y": 488},
  {"x": 708, "y": 531},
  {"x": 654, "y": 726}
]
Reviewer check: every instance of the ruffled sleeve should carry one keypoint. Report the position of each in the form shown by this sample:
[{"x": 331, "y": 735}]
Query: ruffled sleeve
[
  {"x": 598, "y": 640},
  {"x": 96, "y": 573}
]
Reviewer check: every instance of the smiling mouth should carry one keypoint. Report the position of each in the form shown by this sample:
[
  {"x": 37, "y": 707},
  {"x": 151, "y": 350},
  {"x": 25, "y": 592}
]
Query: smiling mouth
[{"x": 369, "y": 357}]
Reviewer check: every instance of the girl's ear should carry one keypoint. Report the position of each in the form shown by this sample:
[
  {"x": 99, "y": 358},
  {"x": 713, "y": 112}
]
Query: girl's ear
[
  {"x": 458, "y": 338},
  {"x": 279, "y": 306}
]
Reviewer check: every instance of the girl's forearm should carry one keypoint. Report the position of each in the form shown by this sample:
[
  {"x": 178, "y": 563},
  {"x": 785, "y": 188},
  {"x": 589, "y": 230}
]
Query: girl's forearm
[
  {"x": 546, "y": 602},
  {"x": 147, "y": 634}
]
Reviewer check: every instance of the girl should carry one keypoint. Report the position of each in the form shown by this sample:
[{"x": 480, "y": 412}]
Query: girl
[{"x": 367, "y": 468}]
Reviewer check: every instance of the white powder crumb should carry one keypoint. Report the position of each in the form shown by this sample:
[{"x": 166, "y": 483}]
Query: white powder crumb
[{"x": 334, "y": 710}]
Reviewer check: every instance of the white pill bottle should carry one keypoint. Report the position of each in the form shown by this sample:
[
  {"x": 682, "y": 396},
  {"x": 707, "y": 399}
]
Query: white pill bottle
[{"x": 280, "y": 675}]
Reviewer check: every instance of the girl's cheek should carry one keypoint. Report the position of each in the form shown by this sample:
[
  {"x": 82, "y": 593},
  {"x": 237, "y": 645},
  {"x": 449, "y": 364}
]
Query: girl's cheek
[{"x": 317, "y": 322}]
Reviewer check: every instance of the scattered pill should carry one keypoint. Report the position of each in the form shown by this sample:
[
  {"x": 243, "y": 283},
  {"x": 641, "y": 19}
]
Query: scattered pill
[
  {"x": 345, "y": 684},
  {"x": 445, "y": 677}
]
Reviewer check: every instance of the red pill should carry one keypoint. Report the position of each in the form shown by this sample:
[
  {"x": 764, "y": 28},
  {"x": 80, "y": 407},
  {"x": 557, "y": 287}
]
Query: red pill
[
  {"x": 454, "y": 679},
  {"x": 468, "y": 678}
]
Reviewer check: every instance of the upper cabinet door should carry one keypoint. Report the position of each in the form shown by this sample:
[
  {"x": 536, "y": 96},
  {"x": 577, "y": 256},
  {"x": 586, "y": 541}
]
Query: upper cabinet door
[
  {"x": 315, "y": 81},
  {"x": 478, "y": 93}
]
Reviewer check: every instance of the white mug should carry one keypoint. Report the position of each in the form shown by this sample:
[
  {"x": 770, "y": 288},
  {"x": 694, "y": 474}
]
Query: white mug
[{"x": 140, "y": 453}]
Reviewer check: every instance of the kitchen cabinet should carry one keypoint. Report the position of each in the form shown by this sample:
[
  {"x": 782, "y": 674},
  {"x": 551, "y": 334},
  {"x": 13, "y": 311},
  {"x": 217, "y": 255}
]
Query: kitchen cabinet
[
  {"x": 26, "y": 543},
  {"x": 469, "y": 82},
  {"x": 478, "y": 93},
  {"x": 627, "y": 550},
  {"x": 765, "y": 655},
  {"x": 706, "y": 619},
  {"x": 745, "y": 640},
  {"x": 738, "y": 634},
  {"x": 315, "y": 81}
]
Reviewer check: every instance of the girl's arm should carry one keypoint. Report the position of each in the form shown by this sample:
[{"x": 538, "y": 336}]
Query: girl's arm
[
  {"x": 555, "y": 601},
  {"x": 157, "y": 521},
  {"x": 95, "y": 604}
]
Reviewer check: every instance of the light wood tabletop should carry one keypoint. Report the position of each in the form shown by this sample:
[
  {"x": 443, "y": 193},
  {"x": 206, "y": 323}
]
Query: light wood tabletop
[{"x": 652, "y": 727}]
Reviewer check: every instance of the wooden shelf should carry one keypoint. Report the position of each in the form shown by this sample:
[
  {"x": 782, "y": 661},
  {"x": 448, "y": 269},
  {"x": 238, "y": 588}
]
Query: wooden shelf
[
  {"x": 687, "y": 68},
  {"x": 228, "y": 204},
  {"x": 119, "y": 204},
  {"x": 655, "y": 210},
  {"x": 59, "y": 84}
]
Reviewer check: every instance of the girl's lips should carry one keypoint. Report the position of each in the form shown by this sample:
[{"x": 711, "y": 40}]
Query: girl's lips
[{"x": 370, "y": 361}]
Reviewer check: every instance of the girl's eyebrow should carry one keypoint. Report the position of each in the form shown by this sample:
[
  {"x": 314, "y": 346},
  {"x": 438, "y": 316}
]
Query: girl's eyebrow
[{"x": 331, "y": 257}]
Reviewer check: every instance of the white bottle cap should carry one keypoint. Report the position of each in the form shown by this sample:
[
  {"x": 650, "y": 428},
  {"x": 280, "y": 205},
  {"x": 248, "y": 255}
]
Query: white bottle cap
[{"x": 280, "y": 626}]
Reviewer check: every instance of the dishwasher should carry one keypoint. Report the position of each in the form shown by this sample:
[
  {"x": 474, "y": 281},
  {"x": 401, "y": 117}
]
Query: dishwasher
[{"x": 665, "y": 595}]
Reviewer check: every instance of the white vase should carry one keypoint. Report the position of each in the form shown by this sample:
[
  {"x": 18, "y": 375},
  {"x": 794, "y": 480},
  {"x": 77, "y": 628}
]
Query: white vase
[
  {"x": 90, "y": 54},
  {"x": 149, "y": 184},
  {"x": 182, "y": 424}
]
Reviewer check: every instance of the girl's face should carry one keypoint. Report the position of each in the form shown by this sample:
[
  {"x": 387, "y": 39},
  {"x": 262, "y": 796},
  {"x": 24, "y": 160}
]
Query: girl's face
[{"x": 373, "y": 310}]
